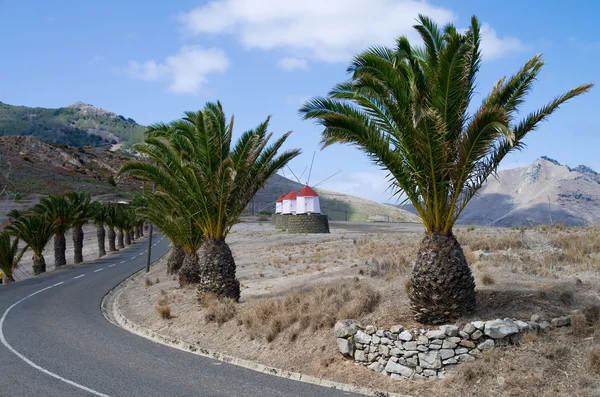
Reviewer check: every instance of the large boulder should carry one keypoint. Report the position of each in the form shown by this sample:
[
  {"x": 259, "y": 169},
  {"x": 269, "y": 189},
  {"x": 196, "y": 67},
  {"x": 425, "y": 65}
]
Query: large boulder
[
  {"x": 499, "y": 329},
  {"x": 395, "y": 368},
  {"x": 346, "y": 328},
  {"x": 345, "y": 346},
  {"x": 430, "y": 360}
]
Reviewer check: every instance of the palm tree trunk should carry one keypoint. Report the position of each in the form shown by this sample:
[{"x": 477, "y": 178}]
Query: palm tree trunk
[
  {"x": 120, "y": 236},
  {"x": 128, "y": 237},
  {"x": 442, "y": 286},
  {"x": 60, "y": 248},
  {"x": 39, "y": 264},
  {"x": 176, "y": 258},
  {"x": 136, "y": 233},
  {"x": 112, "y": 236},
  {"x": 189, "y": 273},
  {"x": 101, "y": 235},
  {"x": 77, "y": 244},
  {"x": 217, "y": 270},
  {"x": 141, "y": 231}
]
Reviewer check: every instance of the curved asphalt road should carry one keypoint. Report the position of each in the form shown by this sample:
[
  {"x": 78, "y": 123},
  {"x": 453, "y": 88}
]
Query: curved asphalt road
[{"x": 62, "y": 331}]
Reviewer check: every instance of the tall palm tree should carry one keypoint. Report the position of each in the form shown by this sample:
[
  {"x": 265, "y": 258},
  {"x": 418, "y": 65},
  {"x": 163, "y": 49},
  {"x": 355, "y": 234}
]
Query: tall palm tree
[
  {"x": 82, "y": 211},
  {"x": 100, "y": 216},
  {"x": 35, "y": 230},
  {"x": 111, "y": 223},
  {"x": 58, "y": 210},
  {"x": 213, "y": 182},
  {"x": 407, "y": 108},
  {"x": 9, "y": 256}
]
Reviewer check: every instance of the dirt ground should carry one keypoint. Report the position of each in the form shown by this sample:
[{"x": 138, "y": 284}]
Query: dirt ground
[{"x": 294, "y": 288}]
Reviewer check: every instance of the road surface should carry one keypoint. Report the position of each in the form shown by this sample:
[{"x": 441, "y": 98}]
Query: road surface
[{"x": 57, "y": 343}]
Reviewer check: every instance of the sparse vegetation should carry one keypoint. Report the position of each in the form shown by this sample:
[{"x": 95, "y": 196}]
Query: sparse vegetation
[{"x": 218, "y": 310}]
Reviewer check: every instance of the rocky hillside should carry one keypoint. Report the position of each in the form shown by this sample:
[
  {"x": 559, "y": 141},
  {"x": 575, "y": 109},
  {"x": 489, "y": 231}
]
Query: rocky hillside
[
  {"x": 30, "y": 167},
  {"x": 545, "y": 192},
  {"x": 337, "y": 206},
  {"x": 79, "y": 124}
]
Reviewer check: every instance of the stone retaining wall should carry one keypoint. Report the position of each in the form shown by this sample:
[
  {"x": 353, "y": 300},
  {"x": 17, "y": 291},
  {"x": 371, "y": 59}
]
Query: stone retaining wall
[
  {"x": 426, "y": 354},
  {"x": 303, "y": 223}
]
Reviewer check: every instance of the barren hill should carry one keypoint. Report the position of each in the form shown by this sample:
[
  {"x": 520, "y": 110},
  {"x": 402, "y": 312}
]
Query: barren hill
[
  {"x": 30, "y": 167},
  {"x": 545, "y": 192}
]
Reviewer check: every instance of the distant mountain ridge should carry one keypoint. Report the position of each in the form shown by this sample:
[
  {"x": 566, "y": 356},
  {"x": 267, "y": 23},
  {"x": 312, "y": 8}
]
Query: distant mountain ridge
[
  {"x": 79, "y": 124},
  {"x": 545, "y": 192}
]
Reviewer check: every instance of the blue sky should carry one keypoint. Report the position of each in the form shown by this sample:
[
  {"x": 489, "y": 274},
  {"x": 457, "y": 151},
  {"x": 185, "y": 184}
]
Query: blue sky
[{"x": 153, "y": 60}]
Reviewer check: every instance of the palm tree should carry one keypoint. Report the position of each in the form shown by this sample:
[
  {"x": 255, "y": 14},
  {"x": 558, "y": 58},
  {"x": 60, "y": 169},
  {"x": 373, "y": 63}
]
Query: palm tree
[
  {"x": 407, "y": 108},
  {"x": 35, "y": 230},
  {"x": 58, "y": 210},
  {"x": 111, "y": 223},
  {"x": 9, "y": 256},
  {"x": 119, "y": 225},
  {"x": 100, "y": 216},
  {"x": 182, "y": 232},
  {"x": 82, "y": 211},
  {"x": 211, "y": 182}
]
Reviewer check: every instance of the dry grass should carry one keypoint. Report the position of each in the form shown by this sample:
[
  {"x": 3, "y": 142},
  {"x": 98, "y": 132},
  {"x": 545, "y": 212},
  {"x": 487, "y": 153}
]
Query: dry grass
[
  {"x": 488, "y": 279},
  {"x": 149, "y": 283},
  {"x": 217, "y": 310},
  {"x": 594, "y": 359},
  {"x": 311, "y": 309},
  {"x": 164, "y": 311},
  {"x": 579, "y": 324}
]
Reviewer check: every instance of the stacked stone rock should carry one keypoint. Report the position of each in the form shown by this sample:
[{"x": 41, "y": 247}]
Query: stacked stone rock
[
  {"x": 303, "y": 223},
  {"x": 426, "y": 354}
]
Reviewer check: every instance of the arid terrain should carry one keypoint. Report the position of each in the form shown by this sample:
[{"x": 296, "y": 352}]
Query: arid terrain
[{"x": 295, "y": 287}]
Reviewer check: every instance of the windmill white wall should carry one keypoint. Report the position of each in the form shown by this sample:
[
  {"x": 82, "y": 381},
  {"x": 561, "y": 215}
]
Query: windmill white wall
[
  {"x": 289, "y": 204},
  {"x": 308, "y": 201},
  {"x": 279, "y": 205}
]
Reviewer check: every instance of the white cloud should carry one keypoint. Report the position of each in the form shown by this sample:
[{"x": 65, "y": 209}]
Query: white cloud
[
  {"x": 494, "y": 47},
  {"x": 330, "y": 31},
  {"x": 291, "y": 63},
  {"x": 185, "y": 72}
]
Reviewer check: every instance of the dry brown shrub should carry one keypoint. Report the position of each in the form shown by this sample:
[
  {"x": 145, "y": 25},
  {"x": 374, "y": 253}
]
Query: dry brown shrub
[
  {"x": 149, "y": 283},
  {"x": 487, "y": 279},
  {"x": 496, "y": 241},
  {"x": 311, "y": 309},
  {"x": 164, "y": 311},
  {"x": 579, "y": 324},
  {"x": 217, "y": 310},
  {"x": 594, "y": 359}
]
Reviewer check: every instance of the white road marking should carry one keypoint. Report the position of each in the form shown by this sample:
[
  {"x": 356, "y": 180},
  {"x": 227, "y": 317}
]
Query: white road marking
[
  {"x": 97, "y": 270},
  {"x": 81, "y": 275},
  {"x": 133, "y": 257},
  {"x": 31, "y": 363},
  {"x": 122, "y": 262},
  {"x": 114, "y": 264}
]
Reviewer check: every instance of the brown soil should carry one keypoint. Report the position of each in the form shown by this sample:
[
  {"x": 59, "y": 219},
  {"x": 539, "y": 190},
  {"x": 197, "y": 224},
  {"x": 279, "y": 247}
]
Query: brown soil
[{"x": 525, "y": 272}]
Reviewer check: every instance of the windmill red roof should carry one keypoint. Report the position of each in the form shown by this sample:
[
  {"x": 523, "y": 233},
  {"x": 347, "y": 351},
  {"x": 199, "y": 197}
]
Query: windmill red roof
[
  {"x": 307, "y": 192},
  {"x": 290, "y": 196},
  {"x": 280, "y": 199}
]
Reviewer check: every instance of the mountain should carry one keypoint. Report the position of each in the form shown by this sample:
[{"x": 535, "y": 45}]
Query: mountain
[
  {"x": 545, "y": 192},
  {"x": 79, "y": 124},
  {"x": 31, "y": 168},
  {"x": 338, "y": 206}
]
